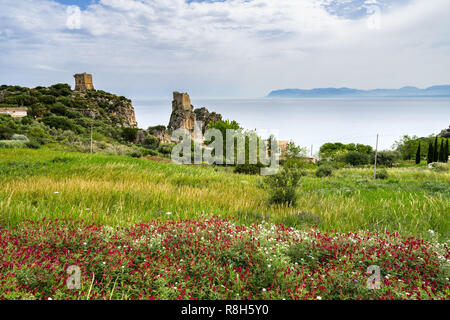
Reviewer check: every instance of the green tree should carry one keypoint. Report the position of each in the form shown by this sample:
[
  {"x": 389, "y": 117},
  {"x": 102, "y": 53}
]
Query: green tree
[
  {"x": 364, "y": 148},
  {"x": 37, "y": 110},
  {"x": 356, "y": 158},
  {"x": 407, "y": 146},
  {"x": 386, "y": 158},
  {"x": 436, "y": 150},
  {"x": 442, "y": 153},
  {"x": 446, "y": 151},
  {"x": 5, "y": 132},
  {"x": 129, "y": 134},
  {"x": 63, "y": 123},
  {"x": 151, "y": 142},
  {"x": 223, "y": 126},
  {"x": 295, "y": 151},
  {"x": 430, "y": 155},
  {"x": 333, "y": 151},
  {"x": 418, "y": 154}
]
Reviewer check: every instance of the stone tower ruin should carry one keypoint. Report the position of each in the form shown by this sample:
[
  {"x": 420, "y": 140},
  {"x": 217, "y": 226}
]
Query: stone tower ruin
[
  {"x": 184, "y": 116},
  {"x": 83, "y": 82}
]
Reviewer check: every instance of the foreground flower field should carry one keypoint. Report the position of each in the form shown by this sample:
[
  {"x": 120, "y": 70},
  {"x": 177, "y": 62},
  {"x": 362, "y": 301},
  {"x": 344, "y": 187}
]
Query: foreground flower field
[{"x": 215, "y": 259}]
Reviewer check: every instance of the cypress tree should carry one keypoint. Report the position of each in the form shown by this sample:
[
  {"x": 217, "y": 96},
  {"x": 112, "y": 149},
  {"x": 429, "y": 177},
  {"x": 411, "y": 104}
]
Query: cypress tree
[
  {"x": 430, "y": 155},
  {"x": 436, "y": 152},
  {"x": 446, "y": 151},
  {"x": 418, "y": 154},
  {"x": 441, "y": 153}
]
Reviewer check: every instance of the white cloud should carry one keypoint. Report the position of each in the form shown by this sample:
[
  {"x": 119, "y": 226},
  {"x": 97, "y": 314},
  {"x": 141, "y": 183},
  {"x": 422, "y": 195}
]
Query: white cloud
[
  {"x": 235, "y": 47},
  {"x": 48, "y": 68}
]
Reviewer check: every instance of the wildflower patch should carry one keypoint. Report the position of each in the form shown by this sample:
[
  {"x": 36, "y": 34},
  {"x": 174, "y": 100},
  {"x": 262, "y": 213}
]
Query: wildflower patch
[{"x": 215, "y": 259}]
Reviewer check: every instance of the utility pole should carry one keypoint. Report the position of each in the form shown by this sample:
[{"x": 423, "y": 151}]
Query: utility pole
[
  {"x": 91, "y": 137},
  {"x": 375, "y": 164}
]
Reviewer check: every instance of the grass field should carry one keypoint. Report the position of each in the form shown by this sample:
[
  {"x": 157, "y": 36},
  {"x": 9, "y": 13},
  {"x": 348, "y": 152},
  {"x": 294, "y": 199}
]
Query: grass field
[{"x": 114, "y": 190}]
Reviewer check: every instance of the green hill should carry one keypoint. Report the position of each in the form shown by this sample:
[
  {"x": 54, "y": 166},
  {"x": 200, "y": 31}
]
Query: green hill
[{"x": 58, "y": 115}]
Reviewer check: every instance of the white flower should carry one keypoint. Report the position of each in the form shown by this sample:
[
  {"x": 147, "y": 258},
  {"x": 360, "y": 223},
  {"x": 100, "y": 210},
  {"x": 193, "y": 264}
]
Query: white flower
[
  {"x": 319, "y": 298},
  {"x": 169, "y": 213},
  {"x": 269, "y": 265},
  {"x": 264, "y": 290},
  {"x": 50, "y": 299},
  {"x": 56, "y": 192}
]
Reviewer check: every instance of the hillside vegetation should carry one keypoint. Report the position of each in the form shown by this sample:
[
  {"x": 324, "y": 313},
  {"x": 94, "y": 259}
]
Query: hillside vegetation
[{"x": 58, "y": 115}]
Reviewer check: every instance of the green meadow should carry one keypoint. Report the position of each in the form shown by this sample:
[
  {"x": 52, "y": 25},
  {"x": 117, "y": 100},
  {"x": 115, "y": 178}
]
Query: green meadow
[{"x": 119, "y": 190}]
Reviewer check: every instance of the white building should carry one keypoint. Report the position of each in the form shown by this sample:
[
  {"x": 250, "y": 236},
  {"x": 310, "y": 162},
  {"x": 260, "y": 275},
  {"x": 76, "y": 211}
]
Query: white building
[{"x": 18, "y": 112}]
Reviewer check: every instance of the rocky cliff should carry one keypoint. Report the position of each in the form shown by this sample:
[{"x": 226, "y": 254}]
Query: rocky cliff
[
  {"x": 119, "y": 109},
  {"x": 184, "y": 116},
  {"x": 445, "y": 133}
]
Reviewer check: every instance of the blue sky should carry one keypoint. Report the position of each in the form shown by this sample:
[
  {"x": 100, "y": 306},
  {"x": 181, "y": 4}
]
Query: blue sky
[
  {"x": 81, "y": 3},
  {"x": 229, "y": 48}
]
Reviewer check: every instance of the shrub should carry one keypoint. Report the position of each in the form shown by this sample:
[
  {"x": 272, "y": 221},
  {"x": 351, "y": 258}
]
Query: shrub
[
  {"x": 282, "y": 186},
  {"x": 155, "y": 129},
  {"x": 38, "y": 134},
  {"x": 32, "y": 144},
  {"x": 129, "y": 134},
  {"x": 60, "y": 89},
  {"x": 5, "y": 132},
  {"x": 59, "y": 109},
  {"x": 297, "y": 163},
  {"x": 63, "y": 123},
  {"x": 11, "y": 143},
  {"x": 151, "y": 152},
  {"x": 37, "y": 110},
  {"x": 20, "y": 137},
  {"x": 386, "y": 158},
  {"x": 26, "y": 120},
  {"x": 356, "y": 158},
  {"x": 47, "y": 99},
  {"x": 382, "y": 174},
  {"x": 135, "y": 154},
  {"x": 436, "y": 187},
  {"x": 247, "y": 169},
  {"x": 324, "y": 171},
  {"x": 165, "y": 148},
  {"x": 21, "y": 100},
  {"x": 151, "y": 142}
]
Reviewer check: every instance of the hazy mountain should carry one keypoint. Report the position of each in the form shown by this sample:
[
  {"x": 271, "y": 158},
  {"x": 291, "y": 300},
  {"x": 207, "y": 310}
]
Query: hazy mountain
[{"x": 434, "y": 91}]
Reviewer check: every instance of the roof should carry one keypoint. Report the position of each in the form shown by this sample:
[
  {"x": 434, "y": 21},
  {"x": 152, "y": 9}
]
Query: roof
[{"x": 18, "y": 109}]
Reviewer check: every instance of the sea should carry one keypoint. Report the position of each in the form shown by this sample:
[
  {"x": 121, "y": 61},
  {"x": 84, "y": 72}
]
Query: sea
[{"x": 312, "y": 122}]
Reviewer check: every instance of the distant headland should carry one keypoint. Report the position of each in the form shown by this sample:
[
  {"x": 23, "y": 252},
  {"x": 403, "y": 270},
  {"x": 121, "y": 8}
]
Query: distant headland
[{"x": 434, "y": 91}]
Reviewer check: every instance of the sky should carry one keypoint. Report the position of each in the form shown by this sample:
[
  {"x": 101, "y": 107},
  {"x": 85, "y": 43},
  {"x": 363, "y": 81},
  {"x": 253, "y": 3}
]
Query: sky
[{"x": 228, "y": 48}]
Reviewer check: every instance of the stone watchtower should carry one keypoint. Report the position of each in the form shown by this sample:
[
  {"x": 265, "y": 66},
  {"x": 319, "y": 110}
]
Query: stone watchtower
[
  {"x": 181, "y": 101},
  {"x": 83, "y": 82},
  {"x": 183, "y": 115}
]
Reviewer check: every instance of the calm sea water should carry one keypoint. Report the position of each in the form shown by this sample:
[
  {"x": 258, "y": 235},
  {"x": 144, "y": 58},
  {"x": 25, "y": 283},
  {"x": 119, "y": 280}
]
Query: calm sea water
[{"x": 316, "y": 121}]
